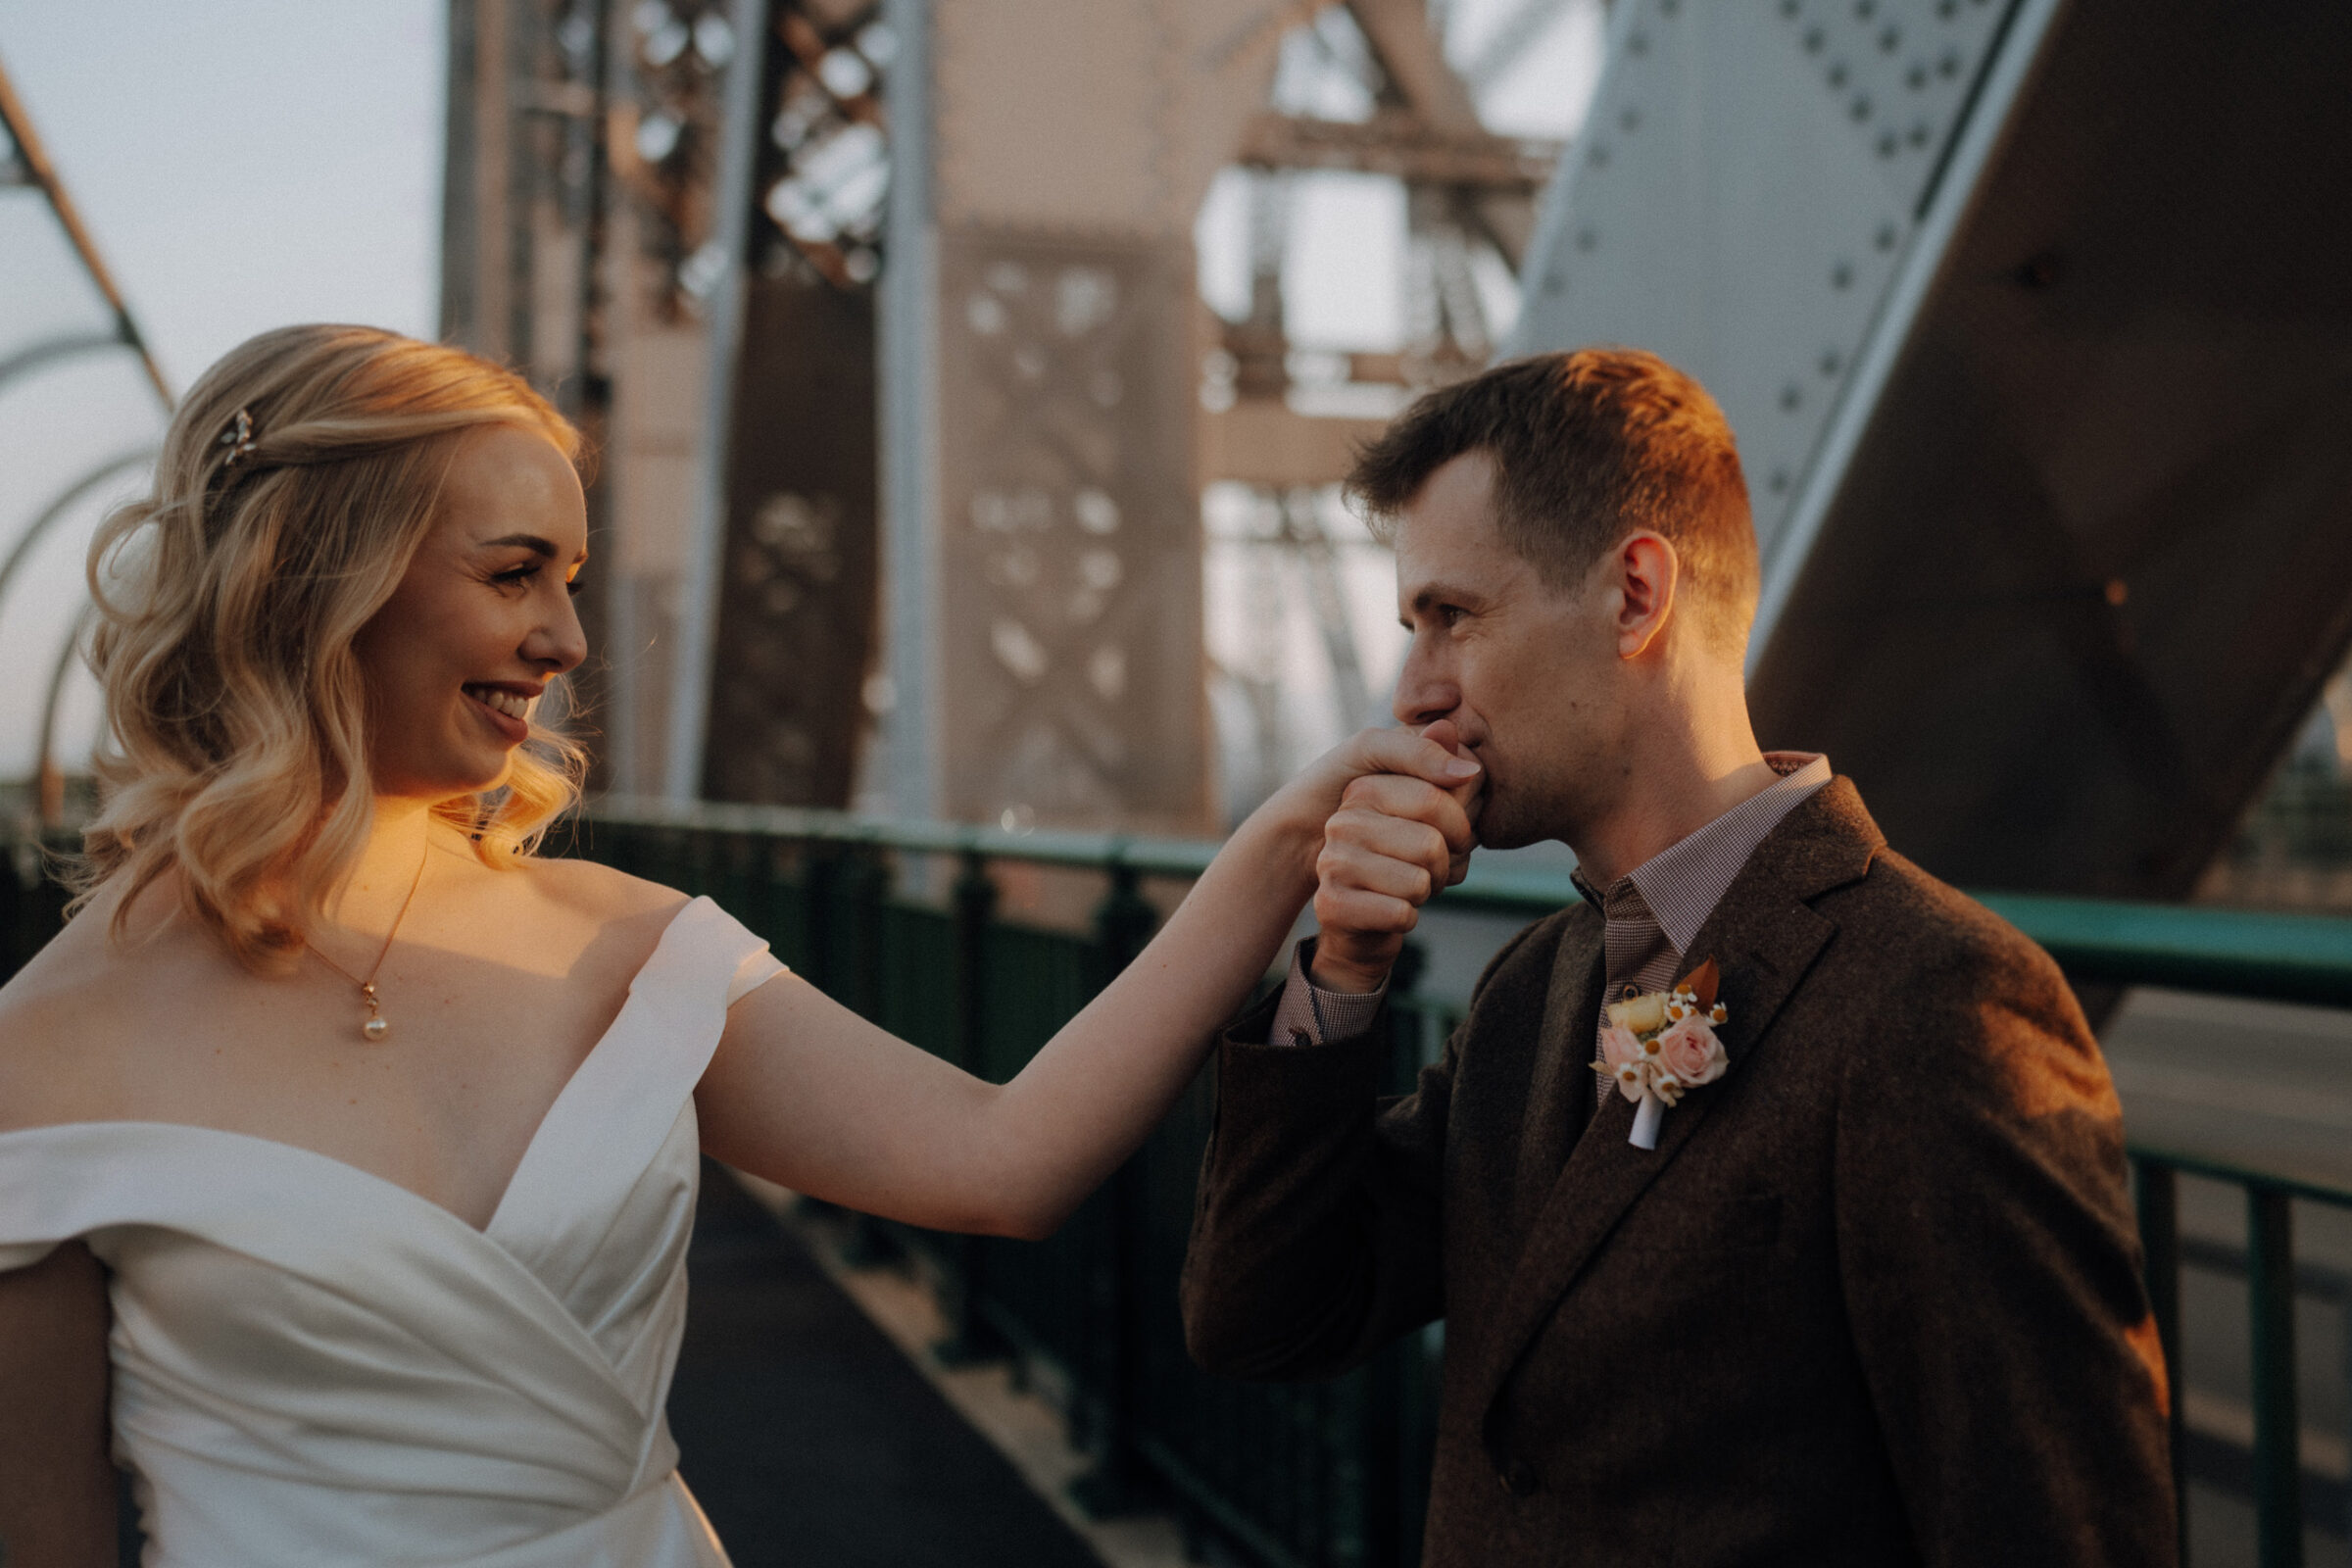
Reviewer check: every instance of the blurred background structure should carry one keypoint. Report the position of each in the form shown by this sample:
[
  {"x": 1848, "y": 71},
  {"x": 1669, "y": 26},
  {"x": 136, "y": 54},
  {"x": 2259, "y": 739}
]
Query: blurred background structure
[
  {"x": 911, "y": 501},
  {"x": 708, "y": 228},
  {"x": 937, "y": 485},
  {"x": 82, "y": 407}
]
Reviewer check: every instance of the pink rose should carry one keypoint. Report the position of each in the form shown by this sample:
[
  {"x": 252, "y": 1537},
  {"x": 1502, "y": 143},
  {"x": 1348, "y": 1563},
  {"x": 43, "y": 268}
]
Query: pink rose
[
  {"x": 1619, "y": 1046},
  {"x": 1691, "y": 1052}
]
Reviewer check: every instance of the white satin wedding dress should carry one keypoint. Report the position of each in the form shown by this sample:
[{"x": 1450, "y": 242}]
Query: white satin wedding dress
[{"x": 315, "y": 1366}]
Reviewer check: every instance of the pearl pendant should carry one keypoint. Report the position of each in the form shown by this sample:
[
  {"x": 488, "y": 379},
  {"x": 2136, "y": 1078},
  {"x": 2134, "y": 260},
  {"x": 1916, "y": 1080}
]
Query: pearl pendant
[{"x": 377, "y": 1026}]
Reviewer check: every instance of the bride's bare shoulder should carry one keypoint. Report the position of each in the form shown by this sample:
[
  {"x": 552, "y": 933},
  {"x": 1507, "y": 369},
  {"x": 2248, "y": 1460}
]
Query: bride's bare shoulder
[
  {"x": 61, "y": 1013},
  {"x": 600, "y": 893},
  {"x": 611, "y": 920}
]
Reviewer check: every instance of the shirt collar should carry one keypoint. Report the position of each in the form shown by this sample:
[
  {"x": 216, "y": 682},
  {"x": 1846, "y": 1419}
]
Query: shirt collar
[{"x": 1683, "y": 882}]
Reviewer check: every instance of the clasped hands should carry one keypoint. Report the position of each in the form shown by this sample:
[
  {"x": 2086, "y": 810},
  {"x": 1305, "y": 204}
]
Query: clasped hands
[{"x": 1396, "y": 837}]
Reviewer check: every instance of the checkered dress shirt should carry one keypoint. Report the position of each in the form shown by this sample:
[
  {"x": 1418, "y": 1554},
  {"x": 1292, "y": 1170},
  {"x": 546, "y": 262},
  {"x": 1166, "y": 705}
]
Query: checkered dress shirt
[{"x": 1654, "y": 910}]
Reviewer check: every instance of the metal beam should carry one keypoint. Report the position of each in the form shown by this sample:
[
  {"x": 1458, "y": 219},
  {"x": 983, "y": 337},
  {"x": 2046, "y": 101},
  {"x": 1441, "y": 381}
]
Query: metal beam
[
  {"x": 1260, "y": 441},
  {"x": 908, "y": 325},
  {"x": 22, "y": 550},
  {"x": 36, "y": 162},
  {"x": 1303, "y": 531},
  {"x": 1398, "y": 144},
  {"x": 1519, "y": 32},
  {"x": 51, "y": 350},
  {"x": 1415, "y": 61},
  {"x": 739, "y": 134}
]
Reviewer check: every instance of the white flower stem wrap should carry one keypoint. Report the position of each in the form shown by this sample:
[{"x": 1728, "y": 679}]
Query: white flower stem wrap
[{"x": 1646, "y": 1116}]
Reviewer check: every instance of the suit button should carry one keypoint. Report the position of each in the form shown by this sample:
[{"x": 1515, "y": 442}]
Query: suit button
[{"x": 1518, "y": 1478}]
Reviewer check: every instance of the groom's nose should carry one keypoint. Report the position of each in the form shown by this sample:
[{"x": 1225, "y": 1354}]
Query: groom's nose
[{"x": 1424, "y": 693}]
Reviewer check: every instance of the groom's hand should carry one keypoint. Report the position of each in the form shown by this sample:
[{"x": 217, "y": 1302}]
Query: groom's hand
[{"x": 1394, "y": 842}]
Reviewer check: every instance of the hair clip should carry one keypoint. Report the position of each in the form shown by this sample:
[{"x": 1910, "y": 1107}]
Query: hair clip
[{"x": 238, "y": 438}]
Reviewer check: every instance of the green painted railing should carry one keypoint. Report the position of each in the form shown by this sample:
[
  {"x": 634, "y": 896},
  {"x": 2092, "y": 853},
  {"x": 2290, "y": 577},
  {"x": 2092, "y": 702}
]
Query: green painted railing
[
  {"x": 2244, "y": 952},
  {"x": 2239, "y": 953},
  {"x": 907, "y": 923}
]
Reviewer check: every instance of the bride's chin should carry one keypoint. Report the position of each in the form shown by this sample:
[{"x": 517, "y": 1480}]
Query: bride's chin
[{"x": 479, "y": 776}]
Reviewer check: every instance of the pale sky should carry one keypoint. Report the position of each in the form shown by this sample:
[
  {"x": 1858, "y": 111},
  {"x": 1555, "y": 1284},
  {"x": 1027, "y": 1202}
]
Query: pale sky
[{"x": 245, "y": 163}]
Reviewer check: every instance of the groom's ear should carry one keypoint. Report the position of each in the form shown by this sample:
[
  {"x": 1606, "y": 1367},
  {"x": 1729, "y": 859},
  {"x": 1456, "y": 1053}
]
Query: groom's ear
[{"x": 1646, "y": 573}]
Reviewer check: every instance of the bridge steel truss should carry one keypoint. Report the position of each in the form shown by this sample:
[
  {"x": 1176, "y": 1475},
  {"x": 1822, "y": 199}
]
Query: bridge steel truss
[
  {"x": 89, "y": 319},
  {"x": 2033, "y": 322}
]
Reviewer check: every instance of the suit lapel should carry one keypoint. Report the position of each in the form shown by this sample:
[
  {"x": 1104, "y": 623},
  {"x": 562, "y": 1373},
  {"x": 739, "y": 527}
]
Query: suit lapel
[
  {"x": 1560, "y": 1085},
  {"x": 1764, "y": 937}
]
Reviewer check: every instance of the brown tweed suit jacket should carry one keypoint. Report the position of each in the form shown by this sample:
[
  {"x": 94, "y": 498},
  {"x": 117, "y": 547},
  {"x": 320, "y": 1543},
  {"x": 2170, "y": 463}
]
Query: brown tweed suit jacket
[{"x": 1875, "y": 1299}]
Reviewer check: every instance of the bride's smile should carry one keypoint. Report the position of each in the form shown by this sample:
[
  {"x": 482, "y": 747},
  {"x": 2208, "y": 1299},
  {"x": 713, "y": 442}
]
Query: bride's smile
[{"x": 504, "y": 701}]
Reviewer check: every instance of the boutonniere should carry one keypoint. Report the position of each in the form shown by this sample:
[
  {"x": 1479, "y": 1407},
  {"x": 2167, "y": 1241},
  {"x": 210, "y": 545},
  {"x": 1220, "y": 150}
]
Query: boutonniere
[{"x": 1660, "y": 1046}]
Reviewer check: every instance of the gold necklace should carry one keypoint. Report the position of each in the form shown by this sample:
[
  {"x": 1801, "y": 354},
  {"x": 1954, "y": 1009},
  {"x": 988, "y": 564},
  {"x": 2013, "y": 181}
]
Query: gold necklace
[{"x": 376, "y": 1025}]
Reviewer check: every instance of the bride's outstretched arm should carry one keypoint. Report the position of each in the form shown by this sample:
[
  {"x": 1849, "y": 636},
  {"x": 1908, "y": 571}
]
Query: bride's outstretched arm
[{"x": 806, "y": 1094}]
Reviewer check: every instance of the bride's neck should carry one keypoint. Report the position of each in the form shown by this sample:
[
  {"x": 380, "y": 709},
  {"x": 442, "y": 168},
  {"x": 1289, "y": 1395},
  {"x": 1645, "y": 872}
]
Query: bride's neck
[{"x": 386, "y": 868}]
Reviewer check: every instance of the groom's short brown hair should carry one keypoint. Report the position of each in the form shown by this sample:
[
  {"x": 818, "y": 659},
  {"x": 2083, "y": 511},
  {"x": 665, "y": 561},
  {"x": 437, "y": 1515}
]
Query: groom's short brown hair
[{"x": 1588, "y": 447}]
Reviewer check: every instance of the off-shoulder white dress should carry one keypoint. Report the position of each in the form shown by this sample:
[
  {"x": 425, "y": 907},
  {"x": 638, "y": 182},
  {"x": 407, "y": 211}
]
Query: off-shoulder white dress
[{"x": 315, "y": 1366}]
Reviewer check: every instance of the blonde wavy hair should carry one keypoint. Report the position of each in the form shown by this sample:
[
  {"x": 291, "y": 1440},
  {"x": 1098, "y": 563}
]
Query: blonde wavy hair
[{"x": 236, "y": 748}]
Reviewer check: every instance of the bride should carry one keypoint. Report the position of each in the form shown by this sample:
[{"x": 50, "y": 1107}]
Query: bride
[{"x": 346, "y": 1149}]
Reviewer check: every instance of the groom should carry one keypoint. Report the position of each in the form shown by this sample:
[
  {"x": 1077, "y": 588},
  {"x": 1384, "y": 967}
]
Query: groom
[{"x": 1874, "y": 1295}]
